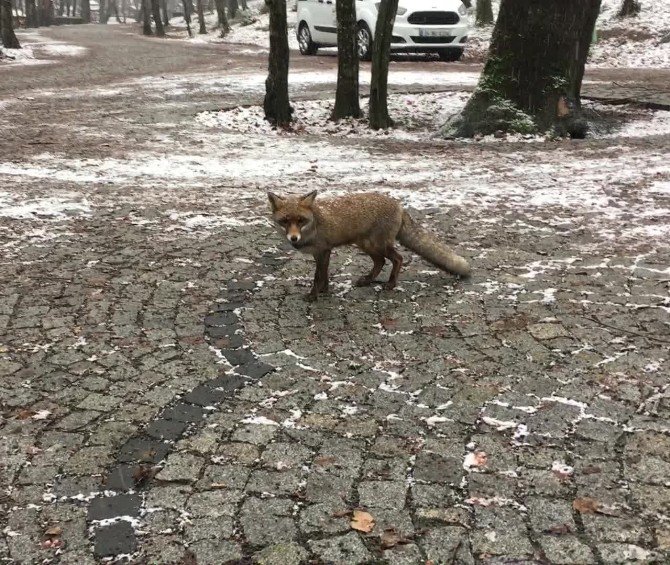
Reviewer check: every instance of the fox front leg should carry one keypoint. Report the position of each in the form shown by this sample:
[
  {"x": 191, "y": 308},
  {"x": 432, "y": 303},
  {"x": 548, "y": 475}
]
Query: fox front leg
[{"x": 320, "y": 285}]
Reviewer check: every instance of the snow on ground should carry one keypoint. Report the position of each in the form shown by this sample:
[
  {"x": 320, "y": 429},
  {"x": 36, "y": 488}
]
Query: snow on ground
[
  {"x": 50, "y": 208},
  {"x": 38, "y": 50}
]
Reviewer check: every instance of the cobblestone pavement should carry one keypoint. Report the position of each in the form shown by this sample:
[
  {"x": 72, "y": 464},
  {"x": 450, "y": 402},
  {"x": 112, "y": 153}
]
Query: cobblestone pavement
[{"x": 149, "y": 314}]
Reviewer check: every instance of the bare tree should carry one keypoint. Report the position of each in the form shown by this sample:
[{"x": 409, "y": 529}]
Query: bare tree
[
  {"x": 187, "y": 16},
  {"x": 166, "y": 13},
  {"x": 86, "y": 11},
  {"x": 346, "y": 95},
  {"x": 223, "y": 24},
  {"x": 9, "y": 40},
  {"x": 629, "y": 8},
  {"x": 533, "y": 76},
  {"x": 32, "y": 17},
  {"x": 201, "y": 17},
  {"x": 158, "y": 22},
  {"x": 233, "y": 7},
  {"x": 103, "y": 15},
  {"x": 483, "y": 13},
  {"x": 146, "y": 17},
  {"x": 381, "y": 53},
  {"x": 276, "y": 104}
]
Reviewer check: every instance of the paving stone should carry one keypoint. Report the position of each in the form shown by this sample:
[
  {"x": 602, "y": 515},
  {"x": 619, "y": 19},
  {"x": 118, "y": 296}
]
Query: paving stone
[
  {"x": 382, "y": 494},
  {"x": 274, "y": 482},
  {"x": 182, "y": 467},
  {"x": 165, "y": 429},
  {"x": 228, "y": 476},
  {"x": 203, "y": 395},
  {"x": 213, "y": 503},
  {"x": 183, "y": 412},
  {"x": 216, "y": 551},
  {"x": 281, "y": 554},
  {"x": 121, "y": 478},
  {"x": 283, "y": 456},
  {"x": 254, "y": 369},
  {"x": 433, "y": 468},
  {"x": 266, "y": 521},
  {"x": 341, "y": 549},
  {"x": 142, "y": 449},
  {"x": 104, "y": 507},
  {"x": 227, "y": 382},
  {"x": 238, "y": 356},
  {"x": 407, "y": 554},
  {"x": 115, "y": 539},
  {"x": 221, "y": 319},
  {"x": 329, "y": 517},
  {"x": 447, "y": 545},
  {"x": 209, "y": 528},
  {"x": 256, "y": 434}
]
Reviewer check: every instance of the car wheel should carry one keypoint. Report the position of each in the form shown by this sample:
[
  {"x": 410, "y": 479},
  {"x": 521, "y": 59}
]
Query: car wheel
[
  {"x": 364, "y": 42},
  {"x": 305, "y": 43},
  {"x": 450, "y": 55}
]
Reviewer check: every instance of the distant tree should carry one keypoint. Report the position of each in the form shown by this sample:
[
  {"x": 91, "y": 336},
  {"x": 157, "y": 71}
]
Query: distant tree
[
  {"x": 276, "y": 103},
  {"x": 103, "y": 15},
  {"x": 158, "y": 22},
  {"x": 146, "y": 17},
  {"x": 532, "y": 79},
  {"x": 86, "y": 11},
  {"x": 9, "y": 40},
  {"x": 483, "y": 13},
  {"x": 187, "y": 16},
  {"x": 32, "y": 16},
  {"x": 629, "y": 8},
  {"x": 381, "y": 53},
  {"x": 166, "y": 13},
  {"x": 233, "y": 7},
  {"x": 223, "y": 24},
  {"x": 201, "y": 18},
  {"x": 346, "y": 96}
]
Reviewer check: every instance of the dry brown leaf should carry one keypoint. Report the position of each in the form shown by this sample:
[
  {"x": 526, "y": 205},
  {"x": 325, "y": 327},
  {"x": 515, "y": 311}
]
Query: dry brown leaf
[
  {"x": 24, "y": 414},
  {"x": 362, "y": 521},
  {"x": 585, "y": 505},
  {"x": 54, "y": 531}
]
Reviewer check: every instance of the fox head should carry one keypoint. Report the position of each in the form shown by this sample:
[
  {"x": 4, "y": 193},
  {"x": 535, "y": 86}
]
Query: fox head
[{"x": 294, "y": 217}]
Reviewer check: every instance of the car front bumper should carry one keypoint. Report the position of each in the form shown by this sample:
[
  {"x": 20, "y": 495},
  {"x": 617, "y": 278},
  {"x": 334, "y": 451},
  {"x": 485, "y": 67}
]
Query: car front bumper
[{"x": 407, "y": 37}]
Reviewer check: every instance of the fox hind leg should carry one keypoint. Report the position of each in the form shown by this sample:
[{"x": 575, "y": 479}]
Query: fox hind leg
[
  {"x": 395, "y": 258},
  {"x": 377, "y": 267}
]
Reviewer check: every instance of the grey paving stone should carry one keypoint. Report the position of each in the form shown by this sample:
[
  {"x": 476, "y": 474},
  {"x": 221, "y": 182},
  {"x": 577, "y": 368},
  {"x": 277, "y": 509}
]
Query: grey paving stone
[
  {"x": 329, "y": 517},
  {"x": 181, "y": 467},
  {"x": 341, "y": 549},
  {"x": 165, "y": 429},
  {"x": 254, "y": 369},
  {"x": 266, "y": 521},
  {"x": 183, "y": 412},
  {"x": 203, "y": 395},
  {"x": 104, "y": 507},
  {"x": 282, "y": 554},
  {"x": 383, "y": 494},
  {"x": 143, "y": 449},
  {"x": 115, "y": 539}
]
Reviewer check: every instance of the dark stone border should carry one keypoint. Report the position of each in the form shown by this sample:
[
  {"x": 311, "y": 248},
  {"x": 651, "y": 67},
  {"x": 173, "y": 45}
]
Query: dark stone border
[{"x": 132, "y": 471}]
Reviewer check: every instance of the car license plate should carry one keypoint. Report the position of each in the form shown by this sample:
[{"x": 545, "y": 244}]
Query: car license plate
[{"x": 434, "y": 32}]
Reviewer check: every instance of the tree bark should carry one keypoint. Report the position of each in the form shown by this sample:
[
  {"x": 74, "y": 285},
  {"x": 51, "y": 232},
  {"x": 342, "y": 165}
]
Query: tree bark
[
  {"x": 381, "y": 53},
  {"x": 201, "y": 17},
  {"x": 346, "y": 95},
  {"x": 32, "y": 19},
  {"x": 532, "y": 79},
  {"x": 103, "y": 15},
  {"x": 233, "y": 7},
  {"x": 146, "y": 18},
  {"x": 187, "y": 16},
  {"x": 221, "y": 16},
  {"x": 483, "y": 13},
  {"x": 276, "y": 104},
  {"x": 86, "y": 11},
  {"x": 166, "y": 13},
  {"x": 9, "y": 40},
  {"x": 156, "y": 12},
  {"x": 628, "y": 9}
]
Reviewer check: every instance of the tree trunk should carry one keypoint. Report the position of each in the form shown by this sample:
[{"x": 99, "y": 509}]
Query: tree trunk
[
  {"x": 146, "y": 18},
  {"x": 346, "y": 96},
  {"x": 187, "y": 17},
  {"x": 103, "y": 14},
  {"x": 276, "y": 104},
  {"x": 532, "y": 79},
  {"x": 483, "y": 13},
  {"x": 156, "y": 11},
  {"x": 9, "y": 40},
  {"x": 221, "y": 16},
  {"x": 381, "y": 53},
  {"x": 86, "y": 11},
  {"x": 31, "y": 14},
  {"x": 628, "y": 9},
  {"x": 233, "y": 7},
  {"x": 201, "y": 17},
  {"x": 166, "y": 13}
]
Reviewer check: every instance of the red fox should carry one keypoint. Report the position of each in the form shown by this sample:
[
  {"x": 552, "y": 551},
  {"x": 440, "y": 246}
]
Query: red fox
[{"x": 371, "y": 221}]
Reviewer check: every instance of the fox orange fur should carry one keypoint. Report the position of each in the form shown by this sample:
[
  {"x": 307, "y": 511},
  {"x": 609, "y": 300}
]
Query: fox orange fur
[{"x": 371, "y": 221}]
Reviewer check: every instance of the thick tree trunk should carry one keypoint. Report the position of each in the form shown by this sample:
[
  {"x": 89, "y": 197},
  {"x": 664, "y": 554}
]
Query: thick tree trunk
[
  {"x": 532, "y": 79},
  {"x": 187, "y": 16},
  {"x": 381, "y": 53},
  {"x": 86, "y": 11},
  {"x": 483, "y": 13},
  {"x": 346, "y": 96},
  {"x": 156, "y": 11},
  {"x": 146, "y": 17},
  {"x": 221, "y": 16},
  {"x": 201, "y": 17},
  {"x": 276, "y": 104},
  {"x": 9, "y": 40},
  {"x": 629, "y": 8}
]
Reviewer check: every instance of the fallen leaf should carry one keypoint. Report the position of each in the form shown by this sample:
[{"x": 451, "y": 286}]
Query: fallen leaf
[
  {"x": 54, "y": 531},
  {"x": 24, "y": 414},
  {"x": 585, "y": 505},
  {"x": 362, "y": 521}
]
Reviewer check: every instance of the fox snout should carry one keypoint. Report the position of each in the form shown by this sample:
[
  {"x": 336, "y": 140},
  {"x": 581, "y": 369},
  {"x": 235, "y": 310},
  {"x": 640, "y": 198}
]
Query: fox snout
[{"x": 293, "y": 233}]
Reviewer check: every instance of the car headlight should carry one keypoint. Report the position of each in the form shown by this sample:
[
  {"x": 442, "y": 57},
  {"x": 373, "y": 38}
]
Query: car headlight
[{"x": 462, "y": 10}]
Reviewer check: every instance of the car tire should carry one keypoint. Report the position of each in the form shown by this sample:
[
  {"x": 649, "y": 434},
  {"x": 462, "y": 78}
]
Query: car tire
[
  {"x": 364, "y": 42},
  {"x": 450, "y": 55},
  {"x": 305, "y": 43}
]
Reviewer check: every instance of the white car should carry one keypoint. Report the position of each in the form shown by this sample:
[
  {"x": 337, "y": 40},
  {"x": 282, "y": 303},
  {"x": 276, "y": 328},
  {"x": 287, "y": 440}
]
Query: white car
[{"x": 421, "y": 26}]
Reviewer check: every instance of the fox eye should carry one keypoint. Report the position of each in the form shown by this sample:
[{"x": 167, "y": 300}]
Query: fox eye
[{"x": 282, "y": 222}]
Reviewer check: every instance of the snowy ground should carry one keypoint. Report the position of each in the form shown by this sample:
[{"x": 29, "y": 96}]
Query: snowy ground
[{"x": 38, "y": 50}]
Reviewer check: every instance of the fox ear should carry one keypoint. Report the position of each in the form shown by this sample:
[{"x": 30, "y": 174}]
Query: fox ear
[
  {"x": 275, "y": 201},
  {"x": 308, "y": 199}
]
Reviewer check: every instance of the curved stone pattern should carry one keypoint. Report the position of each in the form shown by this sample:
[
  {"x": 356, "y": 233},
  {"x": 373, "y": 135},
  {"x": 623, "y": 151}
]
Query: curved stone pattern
[{"x": 112, "y": 514}]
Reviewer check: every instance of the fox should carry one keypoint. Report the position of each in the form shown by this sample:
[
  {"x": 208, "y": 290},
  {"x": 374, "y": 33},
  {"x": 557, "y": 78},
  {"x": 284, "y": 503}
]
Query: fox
[{"x": 371, "y": 221}]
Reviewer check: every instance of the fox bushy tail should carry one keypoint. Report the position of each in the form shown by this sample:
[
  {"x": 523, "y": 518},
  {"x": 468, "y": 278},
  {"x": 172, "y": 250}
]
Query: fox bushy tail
[{"x": 414, "y": 237}]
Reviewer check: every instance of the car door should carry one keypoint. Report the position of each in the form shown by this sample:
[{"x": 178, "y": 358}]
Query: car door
[{"x": 325, "y": 22}]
